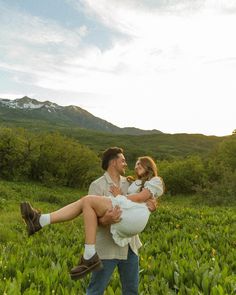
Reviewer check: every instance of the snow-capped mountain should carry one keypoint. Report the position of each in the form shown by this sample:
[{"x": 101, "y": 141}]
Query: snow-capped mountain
[
  {"x": 28, "y": 103},
  {"x": 28, "y": 110}
]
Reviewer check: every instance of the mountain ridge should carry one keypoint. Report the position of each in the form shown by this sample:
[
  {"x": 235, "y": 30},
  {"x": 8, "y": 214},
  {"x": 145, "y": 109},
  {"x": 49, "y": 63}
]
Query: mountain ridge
[
  {"x": 48, "y": 118},
  {"x": 71, "y": 115}
]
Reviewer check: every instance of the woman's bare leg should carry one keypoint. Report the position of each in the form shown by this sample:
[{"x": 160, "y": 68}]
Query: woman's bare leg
[
  {"x": 99, "y": 204},
  {"x": 67, "y": 213},
  {"x": 93, "y": 207}
]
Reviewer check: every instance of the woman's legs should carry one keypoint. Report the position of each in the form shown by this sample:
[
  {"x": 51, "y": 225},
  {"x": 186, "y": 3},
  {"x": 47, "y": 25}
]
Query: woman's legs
[
  {"x": 66, "y": 213},
  {"x": 88, "y": 205},
  {"x": 93, "y": 207}
]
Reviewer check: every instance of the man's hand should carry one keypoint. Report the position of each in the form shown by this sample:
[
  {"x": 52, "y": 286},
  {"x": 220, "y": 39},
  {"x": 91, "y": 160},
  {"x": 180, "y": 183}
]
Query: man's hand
[
  {"x": 111, "y": 216},
  {"x": 152, "y": 204},
  {"x": 115, "y": 190}
]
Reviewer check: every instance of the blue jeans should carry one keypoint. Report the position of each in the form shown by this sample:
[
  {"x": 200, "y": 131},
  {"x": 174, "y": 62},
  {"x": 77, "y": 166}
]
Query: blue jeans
[{"x": 128, "y": 271}]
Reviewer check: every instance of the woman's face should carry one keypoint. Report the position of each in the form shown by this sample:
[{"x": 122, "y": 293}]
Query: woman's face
[{"x": 139, "y": 169}]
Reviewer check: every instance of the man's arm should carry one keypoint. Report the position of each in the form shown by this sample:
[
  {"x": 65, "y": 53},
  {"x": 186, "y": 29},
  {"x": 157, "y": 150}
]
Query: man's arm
[
  {"x": 150, "y": 202},
  {"x": 111, "y": 216},
  {"x": 140, "y": 197}
]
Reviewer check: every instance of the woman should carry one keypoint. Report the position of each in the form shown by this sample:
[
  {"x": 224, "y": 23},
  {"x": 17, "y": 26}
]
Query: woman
[{"x": 134, "y": 216}]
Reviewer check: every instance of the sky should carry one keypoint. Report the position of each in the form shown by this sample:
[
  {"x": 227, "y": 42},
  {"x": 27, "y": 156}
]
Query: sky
[{"x": 168, "y": 65}]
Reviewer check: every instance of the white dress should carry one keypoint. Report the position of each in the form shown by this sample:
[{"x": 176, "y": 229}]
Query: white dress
[{"x": 134, "y": 215}]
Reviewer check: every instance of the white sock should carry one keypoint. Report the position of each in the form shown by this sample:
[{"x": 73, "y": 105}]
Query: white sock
[
  {"x": 89, "y": 251},
  {"x": 44, "y": 219}
]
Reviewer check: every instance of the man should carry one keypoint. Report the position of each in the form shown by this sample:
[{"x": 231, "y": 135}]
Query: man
[{"x": 112, "y": 255}]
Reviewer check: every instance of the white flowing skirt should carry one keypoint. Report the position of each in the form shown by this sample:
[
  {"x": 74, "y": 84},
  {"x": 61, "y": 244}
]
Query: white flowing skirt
[{"x": 134, "y": 219}]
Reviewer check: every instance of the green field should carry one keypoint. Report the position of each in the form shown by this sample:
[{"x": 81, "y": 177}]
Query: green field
[{"x": 188, "y": 248}]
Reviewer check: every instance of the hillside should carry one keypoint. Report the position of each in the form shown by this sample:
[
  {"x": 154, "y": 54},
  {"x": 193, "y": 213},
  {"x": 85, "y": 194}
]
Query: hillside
[
  {"x": 159, "y": 146},
  {"x": 27, "y": 111},
  {"x": 98, "y": 134}
]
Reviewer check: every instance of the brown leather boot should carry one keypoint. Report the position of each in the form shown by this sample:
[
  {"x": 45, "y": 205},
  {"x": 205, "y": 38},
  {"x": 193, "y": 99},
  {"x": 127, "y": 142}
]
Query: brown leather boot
[
  {"x": 86, "y": 266},
  {"x": 31, "y": 217}
]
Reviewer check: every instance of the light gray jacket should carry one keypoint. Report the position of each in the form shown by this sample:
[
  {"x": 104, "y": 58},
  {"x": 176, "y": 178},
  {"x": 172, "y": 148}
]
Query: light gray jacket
[{"x": 105, "y": 246}]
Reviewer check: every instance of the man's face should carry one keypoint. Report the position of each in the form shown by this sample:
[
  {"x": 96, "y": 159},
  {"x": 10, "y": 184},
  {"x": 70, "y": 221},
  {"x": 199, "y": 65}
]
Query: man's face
[{"x": 120, "y": 164}]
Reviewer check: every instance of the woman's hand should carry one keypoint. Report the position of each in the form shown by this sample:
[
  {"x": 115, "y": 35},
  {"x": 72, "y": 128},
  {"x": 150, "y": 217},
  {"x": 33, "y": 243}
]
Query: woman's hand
[
  {"x": 152, "y": 204},
  {"x": 115, "y": 190}
]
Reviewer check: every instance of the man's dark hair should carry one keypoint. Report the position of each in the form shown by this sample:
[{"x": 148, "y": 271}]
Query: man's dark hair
[{"x": 110, "y": 154}]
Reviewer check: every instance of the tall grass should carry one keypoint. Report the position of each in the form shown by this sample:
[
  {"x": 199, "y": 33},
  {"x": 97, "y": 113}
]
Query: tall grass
[{"x": 188, "y": 247}]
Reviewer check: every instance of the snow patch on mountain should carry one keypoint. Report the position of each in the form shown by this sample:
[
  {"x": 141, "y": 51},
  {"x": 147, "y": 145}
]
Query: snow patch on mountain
[{"x": 28, "y": 104}]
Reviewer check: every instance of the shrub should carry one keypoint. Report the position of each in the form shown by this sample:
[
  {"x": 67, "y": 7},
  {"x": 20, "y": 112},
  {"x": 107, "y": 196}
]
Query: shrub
[
  {"x": 14, "y": 161},
  {"x": 182, "y": 175},
  {"x": 64, "y": 161}
]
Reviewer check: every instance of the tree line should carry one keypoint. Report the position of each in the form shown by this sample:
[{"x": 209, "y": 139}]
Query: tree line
[
  {"x": 213, "y": 176},
  {"x": 52, "y": 158},
  {"x": 49, "y": 158}
]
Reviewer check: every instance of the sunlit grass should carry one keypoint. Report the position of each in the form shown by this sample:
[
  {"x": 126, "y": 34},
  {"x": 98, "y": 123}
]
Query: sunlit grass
[{"x": 188, "y": 248}]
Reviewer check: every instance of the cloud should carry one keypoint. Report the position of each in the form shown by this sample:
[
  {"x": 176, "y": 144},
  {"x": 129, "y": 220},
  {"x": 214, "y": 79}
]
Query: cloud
[
  {"x": 9, "y": 95},
  {"x": 177, "y": 53},
  {"x": 20, "y": 26},
  {"x": 163, "y": 41},
  {"x": 35, "y": 45},
  {"x": 157, "y": 44},
  {"x": 130, "y": 16}
]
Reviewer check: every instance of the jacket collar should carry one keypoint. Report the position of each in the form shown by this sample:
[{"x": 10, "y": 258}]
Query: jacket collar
[{"x": 110, "y": 181}]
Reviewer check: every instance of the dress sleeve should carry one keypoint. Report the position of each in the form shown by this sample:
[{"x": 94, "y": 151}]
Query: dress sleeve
[{"x": 155, "y": 186}]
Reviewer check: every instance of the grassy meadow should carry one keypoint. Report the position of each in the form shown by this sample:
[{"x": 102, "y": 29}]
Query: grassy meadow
[{"x": 188, "y": 246}]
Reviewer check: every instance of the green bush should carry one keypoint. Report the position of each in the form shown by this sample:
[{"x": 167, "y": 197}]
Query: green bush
[
  {"x": 221, "y": 191},
  {"x": 226, "y": 153},
  {"x": 63, "y": 161},
  {"x": 52, "y": 159},
  {"x": 182, "y": 175},
  {"x": 219, "y": 187},
  {"x": 14, "y": 154}
]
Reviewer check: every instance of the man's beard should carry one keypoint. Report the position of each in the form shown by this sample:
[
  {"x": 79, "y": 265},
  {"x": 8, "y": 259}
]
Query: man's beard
[{"x": 122, "y": 172}]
